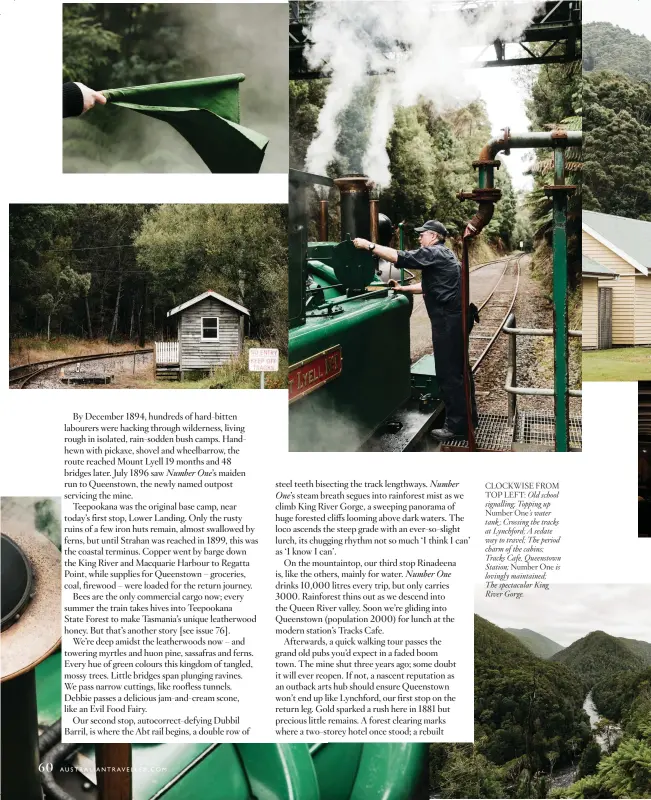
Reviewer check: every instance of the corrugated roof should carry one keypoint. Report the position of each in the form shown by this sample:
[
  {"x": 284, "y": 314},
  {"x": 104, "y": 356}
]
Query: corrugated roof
[
  {"x": 592, "y": 268},
  {"x": 629, "y": 238},
  {"x": 203, "y": 296}
]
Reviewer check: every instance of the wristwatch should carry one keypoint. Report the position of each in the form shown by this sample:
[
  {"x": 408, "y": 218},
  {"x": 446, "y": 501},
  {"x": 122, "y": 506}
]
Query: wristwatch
[{"x": 371, "y": 247}]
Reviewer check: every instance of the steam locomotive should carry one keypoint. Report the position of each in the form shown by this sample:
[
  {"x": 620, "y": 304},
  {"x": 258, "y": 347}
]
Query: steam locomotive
[{"x": 349, "y": 348}]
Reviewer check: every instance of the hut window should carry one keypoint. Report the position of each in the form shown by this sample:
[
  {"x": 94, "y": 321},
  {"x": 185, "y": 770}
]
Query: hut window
[{"x": 210, "y": 328}]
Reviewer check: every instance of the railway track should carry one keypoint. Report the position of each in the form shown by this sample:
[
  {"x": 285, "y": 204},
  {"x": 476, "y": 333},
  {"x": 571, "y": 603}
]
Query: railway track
[
  {"x": 494, "y": 311},
  {"x": 490, "y": 263},
  {"x": 22, "y": 375},
  {"x": 408, "y": 426},
  {"x": 500, "y": 296}
]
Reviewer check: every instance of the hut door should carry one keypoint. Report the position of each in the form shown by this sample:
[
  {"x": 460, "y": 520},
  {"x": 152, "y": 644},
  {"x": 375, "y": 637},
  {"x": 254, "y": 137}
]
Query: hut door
[{"x": 605, "y": 318}]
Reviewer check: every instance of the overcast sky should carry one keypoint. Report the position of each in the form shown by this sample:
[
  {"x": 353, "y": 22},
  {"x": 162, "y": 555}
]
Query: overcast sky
[
  {"x": 568, "y": 612},
  {"x": 505, "y": 106},
  {"x": 635, "y": 15}
]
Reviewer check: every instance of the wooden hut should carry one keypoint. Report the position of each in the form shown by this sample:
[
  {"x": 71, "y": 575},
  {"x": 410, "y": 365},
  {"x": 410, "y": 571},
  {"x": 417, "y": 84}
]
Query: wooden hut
[
  {"x": 623, "y": 246},
  {"x": 210, "y": 334}
]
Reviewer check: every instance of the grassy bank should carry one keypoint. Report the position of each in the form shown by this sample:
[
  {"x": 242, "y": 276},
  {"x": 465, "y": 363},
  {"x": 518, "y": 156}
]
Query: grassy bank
[
  {"x": 234, "y": 375},
  {"x": 27, "y": 350},
  {"x": 481, "y": 250},
  {"x": 618, "y": 364}
]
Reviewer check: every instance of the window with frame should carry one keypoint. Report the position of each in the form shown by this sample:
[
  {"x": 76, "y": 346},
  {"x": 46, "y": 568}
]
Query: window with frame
[{"x": 210, "y": 329}]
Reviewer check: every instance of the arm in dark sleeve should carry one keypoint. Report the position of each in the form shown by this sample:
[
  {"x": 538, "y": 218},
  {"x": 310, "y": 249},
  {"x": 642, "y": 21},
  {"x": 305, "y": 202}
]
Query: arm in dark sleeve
[
  {"x": 416, "y": 259},
  {"x": 73, "y": 100}
]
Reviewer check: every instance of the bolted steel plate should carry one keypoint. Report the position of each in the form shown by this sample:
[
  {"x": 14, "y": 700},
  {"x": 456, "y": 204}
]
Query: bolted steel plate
[{"x": 354, "y": 268}]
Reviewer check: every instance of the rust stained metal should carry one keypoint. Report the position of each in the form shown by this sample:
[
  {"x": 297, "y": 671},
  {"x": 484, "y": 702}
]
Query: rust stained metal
[
  {"x": 374, "y": 219},
  {"x": 323, "y": 220}
]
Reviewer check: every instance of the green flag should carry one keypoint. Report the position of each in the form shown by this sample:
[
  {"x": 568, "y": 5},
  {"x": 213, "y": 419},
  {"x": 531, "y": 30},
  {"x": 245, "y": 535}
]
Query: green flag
[{"x": 206, "y": 112}]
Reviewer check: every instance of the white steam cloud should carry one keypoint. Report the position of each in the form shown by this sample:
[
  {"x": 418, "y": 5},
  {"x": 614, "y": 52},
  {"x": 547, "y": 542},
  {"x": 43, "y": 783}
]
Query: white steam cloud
[{"x": 357, "y": 38}]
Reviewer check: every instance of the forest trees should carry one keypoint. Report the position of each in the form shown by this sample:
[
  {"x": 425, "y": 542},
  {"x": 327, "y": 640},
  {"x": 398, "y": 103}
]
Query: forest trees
[
  {"x": 529, "y": 721},
  {"x": 114, "y": 270},
  {"x": 617, "y": 103},
  {"x": 618, "y": 145},
  {"x": 626, "y": 771},
  {"x": 430, "y": 154},
  {"x": 609, "y": 47},
  {"x": 63, "y": 285}
]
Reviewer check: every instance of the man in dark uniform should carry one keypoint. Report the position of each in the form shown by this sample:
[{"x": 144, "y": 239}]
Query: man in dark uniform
[{"x": 441, "y": 287}]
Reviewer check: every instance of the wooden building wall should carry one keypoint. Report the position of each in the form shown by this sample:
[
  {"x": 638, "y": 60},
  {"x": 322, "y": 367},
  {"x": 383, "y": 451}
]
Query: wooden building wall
[
  {"x": 590, "y": 314},
  {"x": 623, "y": 289},
  {"x": 195, "y": 353},
  {"x": 642, "y": 309}
]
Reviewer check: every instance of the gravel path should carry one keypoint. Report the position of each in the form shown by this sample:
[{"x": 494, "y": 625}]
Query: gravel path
[{"x": 535, "y": 355}]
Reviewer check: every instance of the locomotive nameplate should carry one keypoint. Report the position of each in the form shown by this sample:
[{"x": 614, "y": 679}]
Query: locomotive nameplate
[{"x": 314, "y": 372}]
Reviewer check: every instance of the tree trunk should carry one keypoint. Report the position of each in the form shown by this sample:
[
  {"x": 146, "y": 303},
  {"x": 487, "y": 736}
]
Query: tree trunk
[
  {"x": 133, "y": 313},
  {"x": 88, "y": 322},
  {"x": 143, "y": 316},
  {"x": 114, "y": 324},
  {"x": 101, "y": 306},
  {"x": 49, "y": 317}
]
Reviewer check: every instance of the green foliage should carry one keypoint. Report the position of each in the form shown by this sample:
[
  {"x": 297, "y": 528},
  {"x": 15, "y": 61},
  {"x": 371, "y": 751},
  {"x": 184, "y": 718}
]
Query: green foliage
[
  {"x": 620, "y": 694},
  {"x": 467, "y": 773},
  {"x": 610, "y": 47},
  {"x": 305, "y": 101},
  {"x": 589, "y": 760},
  {"x": 641, "y": 649},
  {"x": 417, "y": 184},
  {"x": 626, "y": 772},
  {"x": 46, "y": 519},
  {"x": 236, "y": 375},
  {"x": 618, "y": 145},
  {"x": 114, "y": 270},
  {"x": 598, "y": 655},
  {"x": 430, "y": 156},
  {"x": 115, "y": 44},
  {"x": 529, "y": 722},
  {"x": 538, "y": 644},
  {"x": 523, "y": 228},
  {"x": 524, "y": 706},
  {"x": 617, "y": 102},
  {"x": 87, "y": 45}
]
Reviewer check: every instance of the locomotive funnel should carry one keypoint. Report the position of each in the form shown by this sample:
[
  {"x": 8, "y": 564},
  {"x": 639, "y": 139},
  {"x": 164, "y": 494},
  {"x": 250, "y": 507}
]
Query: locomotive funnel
[
  {"x": 323, "y": 220},
  {"x": 374, "y": 220},
  {"x": 355, "y": 206}
]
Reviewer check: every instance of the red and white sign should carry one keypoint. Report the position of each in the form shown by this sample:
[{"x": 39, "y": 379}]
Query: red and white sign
[
  {"x": 263, "y": 359},
  {"x": 314, "y": 372}
]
